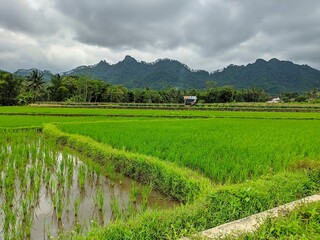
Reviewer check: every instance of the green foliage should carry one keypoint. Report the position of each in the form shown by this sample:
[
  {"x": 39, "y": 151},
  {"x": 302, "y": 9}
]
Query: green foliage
[
  {"x": 9, "y": 88},
  {"x": 57, "y": 90},
  {"x": 221, "y": 95},
  {"x": 115, "y": 94},
  {"x": 25, "y": 98},
  {"x": 35, "y": 83}
]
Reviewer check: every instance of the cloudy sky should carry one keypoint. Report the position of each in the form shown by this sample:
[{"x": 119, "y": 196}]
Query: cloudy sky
[{"x": 204, "y": 34}]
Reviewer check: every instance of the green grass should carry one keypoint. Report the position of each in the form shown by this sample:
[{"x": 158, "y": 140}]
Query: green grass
[
  {"x": 158, "y": 113},
  {"x": 11, "y": 121},
  {"x": 227, "y": 150},
  {"x": 302, "y": 223}
]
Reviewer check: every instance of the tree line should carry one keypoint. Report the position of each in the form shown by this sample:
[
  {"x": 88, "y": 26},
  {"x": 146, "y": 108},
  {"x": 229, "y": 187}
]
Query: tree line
[{"x": 15, "y": 90}]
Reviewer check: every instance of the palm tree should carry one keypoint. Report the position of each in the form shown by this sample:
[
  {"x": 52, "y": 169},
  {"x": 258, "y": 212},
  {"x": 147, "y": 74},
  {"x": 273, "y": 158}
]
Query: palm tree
[{"x": 35, "y": 83}]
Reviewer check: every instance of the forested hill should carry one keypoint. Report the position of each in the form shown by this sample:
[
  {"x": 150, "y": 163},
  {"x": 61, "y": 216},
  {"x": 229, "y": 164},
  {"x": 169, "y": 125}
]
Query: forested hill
[
  {"x": 26, "y": 72},
  {"x": 162, "y": 74},
  {"x": 274, "y": 76}
]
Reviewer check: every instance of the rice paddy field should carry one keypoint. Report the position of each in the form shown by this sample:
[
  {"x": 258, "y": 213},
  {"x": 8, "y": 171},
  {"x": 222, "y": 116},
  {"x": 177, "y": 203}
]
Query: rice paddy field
[
  {"x": 225, "y": 150},
  {"x": 136, "y": 112},
  {"x": 87, "y": 172}
]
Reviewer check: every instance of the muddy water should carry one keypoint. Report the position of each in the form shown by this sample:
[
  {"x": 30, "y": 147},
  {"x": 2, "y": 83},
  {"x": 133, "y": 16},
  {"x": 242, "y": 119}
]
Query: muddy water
[
  {"x": 46, "y": 222},
  {"x": 63, "y": 184}
]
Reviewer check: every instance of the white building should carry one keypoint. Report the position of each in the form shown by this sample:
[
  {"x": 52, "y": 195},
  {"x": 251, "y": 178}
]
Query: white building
[
  {"x": 274, "y": 100},
  {"x": 190, "y": 100}
]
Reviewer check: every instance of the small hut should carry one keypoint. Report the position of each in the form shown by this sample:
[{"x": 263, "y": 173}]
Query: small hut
[
  {"x": 190, "y": 100},
  {"x": 274, "y": 100}
]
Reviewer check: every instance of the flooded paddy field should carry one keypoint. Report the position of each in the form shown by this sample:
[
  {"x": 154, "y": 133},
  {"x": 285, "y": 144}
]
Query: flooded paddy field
[{"x": 46, "y": 189}]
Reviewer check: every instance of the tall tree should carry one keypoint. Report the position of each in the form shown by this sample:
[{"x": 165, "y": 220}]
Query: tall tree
[
  {"x": 35, "y": 83},
  {"x": 56, "y": 89},
  {"x": 9, "y": 88},
  {"x": 116, "y": 94}
]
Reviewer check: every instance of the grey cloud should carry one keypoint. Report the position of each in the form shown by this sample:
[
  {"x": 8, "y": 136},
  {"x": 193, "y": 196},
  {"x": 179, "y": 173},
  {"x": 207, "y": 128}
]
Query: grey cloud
[
  {"x": 18, "y": 15},
  {"x": 214, "y": 26},
  {"x": 125, "y": 24},
  {"x": 201, "y": 33}
]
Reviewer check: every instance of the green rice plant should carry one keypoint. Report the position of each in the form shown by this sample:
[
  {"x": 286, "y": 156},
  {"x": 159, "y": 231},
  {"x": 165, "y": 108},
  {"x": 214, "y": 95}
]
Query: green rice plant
[
  {"x": 47, "y": 179},
  {"x": 109, "y": 169},
  {"x": 27, "y": 227},
  {"x": 62, "y": 166},
  {"x": 112, "y": 177},
  {"x": 19, "y": 232},
  {"x": 132, "y": 211},
  {"x": 115, "y": 208},
  {"x": 9, "y": 180},
  {"x": 82, "y": 176},
  {"x": 25, "y": 208},
  {"x": 54, "y": 200},
  {"x": 70, "y": 170},
  {"x": 9, "y": 196},
  {"x": 120, "y": 178},
  {"x": 32, "y": 173},
  {"x": 13, "y": 221},
  {"x": 60, "y": 207},
  {"x": 37, "y": 186},
  {"x": 99, "y": 199},
  {"x": 60, "y": 179},
  {"x": 76, "y": 206},
  {"x": 6, "y": 227},
  {"x": 53, "y": 184},
  {"x": 134, "y": 192},
  {"x": 145, "y": 193}
]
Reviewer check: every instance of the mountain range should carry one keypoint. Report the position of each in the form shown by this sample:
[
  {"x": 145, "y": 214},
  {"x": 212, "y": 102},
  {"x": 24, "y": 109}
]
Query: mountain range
[
  {"x": 274, "y": 76},
  {"x": 26, "y": 72}
]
